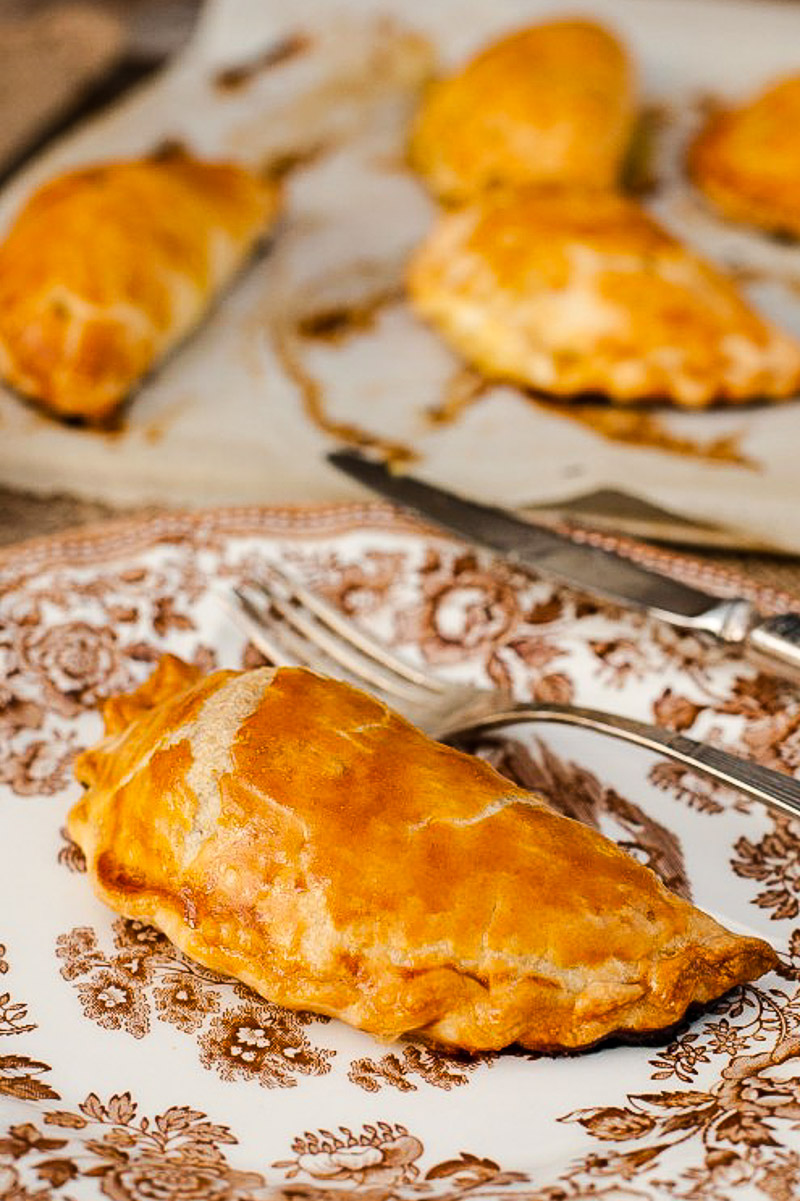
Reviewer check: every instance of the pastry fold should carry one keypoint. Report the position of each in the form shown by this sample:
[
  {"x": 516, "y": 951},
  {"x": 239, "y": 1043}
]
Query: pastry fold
[
  {"x": 106, "y": 268},
  {"x": 295, "y": 833}
]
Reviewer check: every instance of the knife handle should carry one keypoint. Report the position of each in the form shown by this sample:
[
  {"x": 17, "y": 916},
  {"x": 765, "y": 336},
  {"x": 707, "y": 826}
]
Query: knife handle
[{"x": 774, "y": 644}]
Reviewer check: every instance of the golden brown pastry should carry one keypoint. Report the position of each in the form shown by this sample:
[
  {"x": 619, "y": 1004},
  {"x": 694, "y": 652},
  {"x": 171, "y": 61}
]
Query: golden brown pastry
[
  {"x": 295, "y": 833},
  {"x": 747, "y": 159},
  {"x": 575, "y": 292},
  {"x": 550, "y": 104},
  {"x": 106, "y": 268}
]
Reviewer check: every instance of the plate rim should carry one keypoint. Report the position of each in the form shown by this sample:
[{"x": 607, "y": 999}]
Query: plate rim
[{"x": 116, "y": 536}]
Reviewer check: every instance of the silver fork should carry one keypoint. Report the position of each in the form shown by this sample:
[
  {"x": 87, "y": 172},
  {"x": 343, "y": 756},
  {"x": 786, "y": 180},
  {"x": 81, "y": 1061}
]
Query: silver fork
[{"x": 291, "y": 625}]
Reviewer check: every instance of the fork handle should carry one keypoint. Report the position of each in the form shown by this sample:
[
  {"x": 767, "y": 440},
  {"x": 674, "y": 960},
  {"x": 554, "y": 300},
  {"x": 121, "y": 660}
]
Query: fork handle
[
  {"x": 775, "y": 789},
  {"x": 774, "y": 645}
]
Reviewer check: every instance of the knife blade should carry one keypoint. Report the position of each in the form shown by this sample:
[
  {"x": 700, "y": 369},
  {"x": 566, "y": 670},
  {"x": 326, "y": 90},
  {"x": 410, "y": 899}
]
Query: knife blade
[{"x": 773, "y": 642}]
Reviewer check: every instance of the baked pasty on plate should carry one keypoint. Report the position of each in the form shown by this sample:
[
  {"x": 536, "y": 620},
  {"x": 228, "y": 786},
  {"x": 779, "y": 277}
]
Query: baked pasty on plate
[
  {"x": 106, "y": 268},
  {"x": 553, "y": 103},
  {"x": 747, "y": 159},
  {"x": 295, "y": 833},
  {"x": 575, "y": 292}
]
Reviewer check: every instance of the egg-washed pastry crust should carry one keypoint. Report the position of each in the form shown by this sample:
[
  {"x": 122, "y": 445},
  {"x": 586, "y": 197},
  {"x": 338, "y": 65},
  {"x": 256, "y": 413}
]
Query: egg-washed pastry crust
[
  {"x": 106, "y": 268},
  {"x": 295, "y": 833},
  {"x": 553, "y": 103},
  {"x": 747, "y": 159},
  {"x": 575, "y": 292}
]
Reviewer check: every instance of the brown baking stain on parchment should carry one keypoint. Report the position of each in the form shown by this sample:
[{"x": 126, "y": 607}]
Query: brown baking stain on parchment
[
  {"x": 233, "y": 77},
  {"x": 462, "y": 390},
  {"x": 335, "y": 323},
  {"x": 168, "y": 150},
  {"x": 645, "y": 166},
  {"x": 640, "y": 175},
  {"x": 280, "y": 165},
  {"x": 275, "y": 167},
  {"x": 633, "y": 427},
  {"x": 287, "y": 342},
  {"x": 747, "y": 275},
  {"x": 110, "y": 428},
  {"x": 644, "y": 428},
  {"x": 158, "y": 428}
]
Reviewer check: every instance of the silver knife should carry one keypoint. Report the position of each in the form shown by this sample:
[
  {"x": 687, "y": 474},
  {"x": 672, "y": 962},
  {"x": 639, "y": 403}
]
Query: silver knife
[{"x": 771, "y": 642}]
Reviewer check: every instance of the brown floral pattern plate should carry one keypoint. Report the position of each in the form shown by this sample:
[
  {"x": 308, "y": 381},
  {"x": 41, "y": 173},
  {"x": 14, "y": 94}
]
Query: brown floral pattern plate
[{"x": 129, "y": 1072}]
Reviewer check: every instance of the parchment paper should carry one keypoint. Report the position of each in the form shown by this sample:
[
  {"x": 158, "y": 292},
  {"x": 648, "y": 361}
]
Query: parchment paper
[{"x": 316, "y": 332}]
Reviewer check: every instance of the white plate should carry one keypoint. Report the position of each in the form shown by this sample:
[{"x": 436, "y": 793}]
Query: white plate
[
  {"x": 128, "y": 1071},
  {"x": 225, "y": 419}
]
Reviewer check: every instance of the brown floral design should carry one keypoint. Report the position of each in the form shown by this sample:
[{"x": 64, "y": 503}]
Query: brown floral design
[
  {"x": 382, "y": 1162},
  {"x": 359, "y": 588},
  {"x": 182, "y": 1001},
  {"x": 114, "y": 1000},
  {"x": 70, "y": 854},
  {"x": 41, "y": 768},
  {"x": 180, "y": 1156},
  {"x": 736, "y": 1121},
  {"x": 404, "y": 1069},
  {"x": 774, "y": 861},
  {"x": 466, "y": 612},
  {"x": 790, "y": 965},
  {"x": 380, "y": 1155},
  {"x": 13, "y": 1015},
  {"x": 20, "y": 1076},
  {"x": 56, "y": 666},
  {"x": 260, "y": 1041},
  {"x": 76, "y": 663},
  {"x": 148, "y": 978},
  {"x": 697, "y": 792},
  {"x": 177, "y": 1157}
]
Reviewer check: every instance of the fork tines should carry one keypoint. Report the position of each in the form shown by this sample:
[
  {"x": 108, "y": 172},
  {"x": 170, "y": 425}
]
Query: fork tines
[{"x": 292, "y": 625}]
